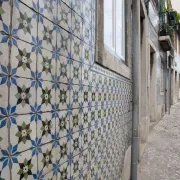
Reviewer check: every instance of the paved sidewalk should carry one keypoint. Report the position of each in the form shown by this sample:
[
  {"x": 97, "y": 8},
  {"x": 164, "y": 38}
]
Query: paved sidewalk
[{"x": 161, "y": 158}]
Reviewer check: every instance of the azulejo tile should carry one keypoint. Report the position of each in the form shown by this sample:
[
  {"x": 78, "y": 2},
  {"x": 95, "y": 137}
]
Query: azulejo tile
[
  {"x": 63, "y": 150},
  {"x": 76, "y": 96},
  {"x": 76, "y": 167},
  {"x": 24, "y": 23},
  {"x": 50, "y": 176},
  {"x": 87, "y": 33},
  {"x": 5, "y": 14},
  {"x": 87, "y": 12},
  {"x": 63, "y": 69},
  {"x": 76, "y": 72},
  {"x": 46, "y": 127},
  {"x": 22, "y": 132},
  {"x": 46, "y": 65},
  {"x": 62, "y": 124},
  {"x": 48, "y": 8},
  {"x": 76, "y": 143},
  {"x": 76, "y": 49},
  {"x": 46, "y": 34},
  {"x": 87, "y": 54},
  {"x": 23, "y": 59},
  {"x": 86, "y": 75},
  {"x": 77, "y": 25},
  {"x": 63, "y": 42},
  {"x": 76, "y": 120},
  {"x": 64, "y": 16},
  {"x": 25, "y": 166},
  {"x": 64, "y": 172},
  {"x": 77, "y": 6},
  {"x": 46, "y": 96},
  {"x": 86, "y": 117},
  {"x": 86, "y": 96},
  {"x": 31, "y": 3},
  {"x": 86, "y": 140},
  {"x": 22, "y": 95},
  {"x": 62, "y": 96},
  {"x": 46, "y": 158},
  {"x": 4, "y": 170}
]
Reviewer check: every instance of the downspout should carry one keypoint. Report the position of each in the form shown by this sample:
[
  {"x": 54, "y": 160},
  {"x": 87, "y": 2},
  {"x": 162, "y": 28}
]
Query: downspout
[{"x": 136, "y": 87}]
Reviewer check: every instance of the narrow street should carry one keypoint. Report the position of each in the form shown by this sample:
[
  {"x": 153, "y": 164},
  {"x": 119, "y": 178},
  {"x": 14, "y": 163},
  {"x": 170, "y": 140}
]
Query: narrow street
[{"x": 161, "y": 158}]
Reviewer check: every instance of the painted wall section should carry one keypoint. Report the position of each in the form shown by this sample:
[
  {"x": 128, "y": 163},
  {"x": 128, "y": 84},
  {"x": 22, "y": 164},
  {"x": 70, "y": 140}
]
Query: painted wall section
[{"x": 61, "y": 115}]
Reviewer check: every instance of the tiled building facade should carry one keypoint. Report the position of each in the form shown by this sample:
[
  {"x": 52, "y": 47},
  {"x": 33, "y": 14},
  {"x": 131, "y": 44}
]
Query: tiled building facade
[{"x": 62, "y": 116}]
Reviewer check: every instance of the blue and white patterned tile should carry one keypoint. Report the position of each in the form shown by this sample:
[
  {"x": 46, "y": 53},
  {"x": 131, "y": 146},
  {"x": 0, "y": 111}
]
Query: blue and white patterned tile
[
  {"x": 76, "y": 167},
  {"x": 50, "y": 176},
  {"x": 91, "y": 135},
  {"x": 25, "y": 166},
  {"x": 77, "y": 7},
  {"x": 87, "y": 33},
  {"x": 46, "y": 65},
  {"x": 63, "y": 150},
  {"x": 76, "y": 143},
  {"x": 4, "y": 72},
  {"x": 47, "y": 33},
  {"x": 64, "y": 171},
  {"x": 32, "y": 4},
  {"x": 62, "y": 96},
  {"x": 46, "y": 158},
  {"x": 76, "y": 120},
  {"x": 77, "y": 25},
  {"x": 64, "y": 16},
  {"x": 87, "y": 54},
  {"x": 22, "y": 95},
  {"x": 4, "y": 168},
  {"x": 86, "y": 96},
  {"x": 62, "y": 124},
  {"x": 63, "y": 42},
  {"x": 76, "y": 96},
  {"x": 63, "y": 69},
  {"x": 87, "y": 12},
  {"x": 22, "y": 132},
  {"x": 46, "y": 96},
  {"x": 76, "y": 72},
  {"x": 24, "y": 23},
  {"x": 76, "y": 49},
  {"x": 48, "y": 8},
  {"x": 86, "y": 117},
  {"x": 46, "y": 125},
  {"x": 5, "y": 16},
  {"x": 86, "y": 140},
  {"x": 23, "y": 59},
  {"x": 86, "y": 75}
]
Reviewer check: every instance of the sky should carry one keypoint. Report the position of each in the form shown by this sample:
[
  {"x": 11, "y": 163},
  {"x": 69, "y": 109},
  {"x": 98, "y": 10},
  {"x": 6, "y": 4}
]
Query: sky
[{"x": 176, "y": 5}]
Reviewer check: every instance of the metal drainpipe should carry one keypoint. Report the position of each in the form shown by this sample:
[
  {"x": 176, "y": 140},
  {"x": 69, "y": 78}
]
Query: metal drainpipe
[{"x": 136, "y": 87}]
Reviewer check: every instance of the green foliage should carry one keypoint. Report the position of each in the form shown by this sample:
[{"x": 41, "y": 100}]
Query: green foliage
[{"x": 178, "y": 18}]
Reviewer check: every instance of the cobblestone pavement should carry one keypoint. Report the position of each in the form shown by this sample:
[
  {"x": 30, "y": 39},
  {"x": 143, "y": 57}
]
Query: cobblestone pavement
[{"x": 161, "y": 158}]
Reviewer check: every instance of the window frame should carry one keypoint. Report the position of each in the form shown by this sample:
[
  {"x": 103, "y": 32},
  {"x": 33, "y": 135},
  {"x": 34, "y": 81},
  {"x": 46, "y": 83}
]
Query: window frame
[{"x": 104, "y": 56}]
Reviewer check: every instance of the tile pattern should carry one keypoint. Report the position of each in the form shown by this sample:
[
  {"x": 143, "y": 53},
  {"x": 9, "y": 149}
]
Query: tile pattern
[{"x": 61, "y": 115}]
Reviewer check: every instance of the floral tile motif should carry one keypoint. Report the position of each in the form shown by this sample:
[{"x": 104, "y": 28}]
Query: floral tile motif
[
  {"x": 63, "y": 42},
  {"x": 87, "y": 33},
  {"x": 86, "y": 140},
  {"x": 64, "y": 16},
  {"x": 46, "y": 96},
  {"x": 23, "y": 59},
  {"x": 5, "y": 11},
  {"x": 62, "y": 124},
  {"x": 76, "y": 49},
  {"x": 92, "y": 135},
  {"x": 87, "y": 54},
  {"x": 4, "y": 171},
  {"x": 46, "y": 65},
  {"x": 46, "y": 34},
  {"x": 23, "y": 132},
  {"x": 46, "y": 158},
  {"x": 77, "y": 6},
  {"x": 22, "y": 95},
  {"x": 76, "y": 167},
  {"x": 86, "y": 117},
  {"x": 86, "y": 74},
  {"x": 46, "y": 127},
  {"x": 3, "y": 95},
  {"x": 87, "y": 12},
  {"x": 76, "y": 143},
  {"x": 62, "y": 96},
  {"x": 25, "y": 166},
  {"x": 76, "y": 120},
  {"x": 63, "y": 150},
  {"x": 48, "y": 8},
  {"x": 4, "y": 136},
  {"x": 31, "y": 3},
  {"x": 64, "y": 171},
  {"x": 76, "y": 25},
  {"x": 75, "y": 96},
  {"x": 63, "y": 69},
  {"x": 86, "y": 95},
  {"x": 76, "y": 72},
  {"x": 24, "y": 23}
]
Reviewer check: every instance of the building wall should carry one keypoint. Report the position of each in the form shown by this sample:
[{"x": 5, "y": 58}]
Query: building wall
[{"x": 61, "y": 114}]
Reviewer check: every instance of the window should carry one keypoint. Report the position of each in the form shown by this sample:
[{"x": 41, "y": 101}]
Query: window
[{"x": 114, "y": 27}]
